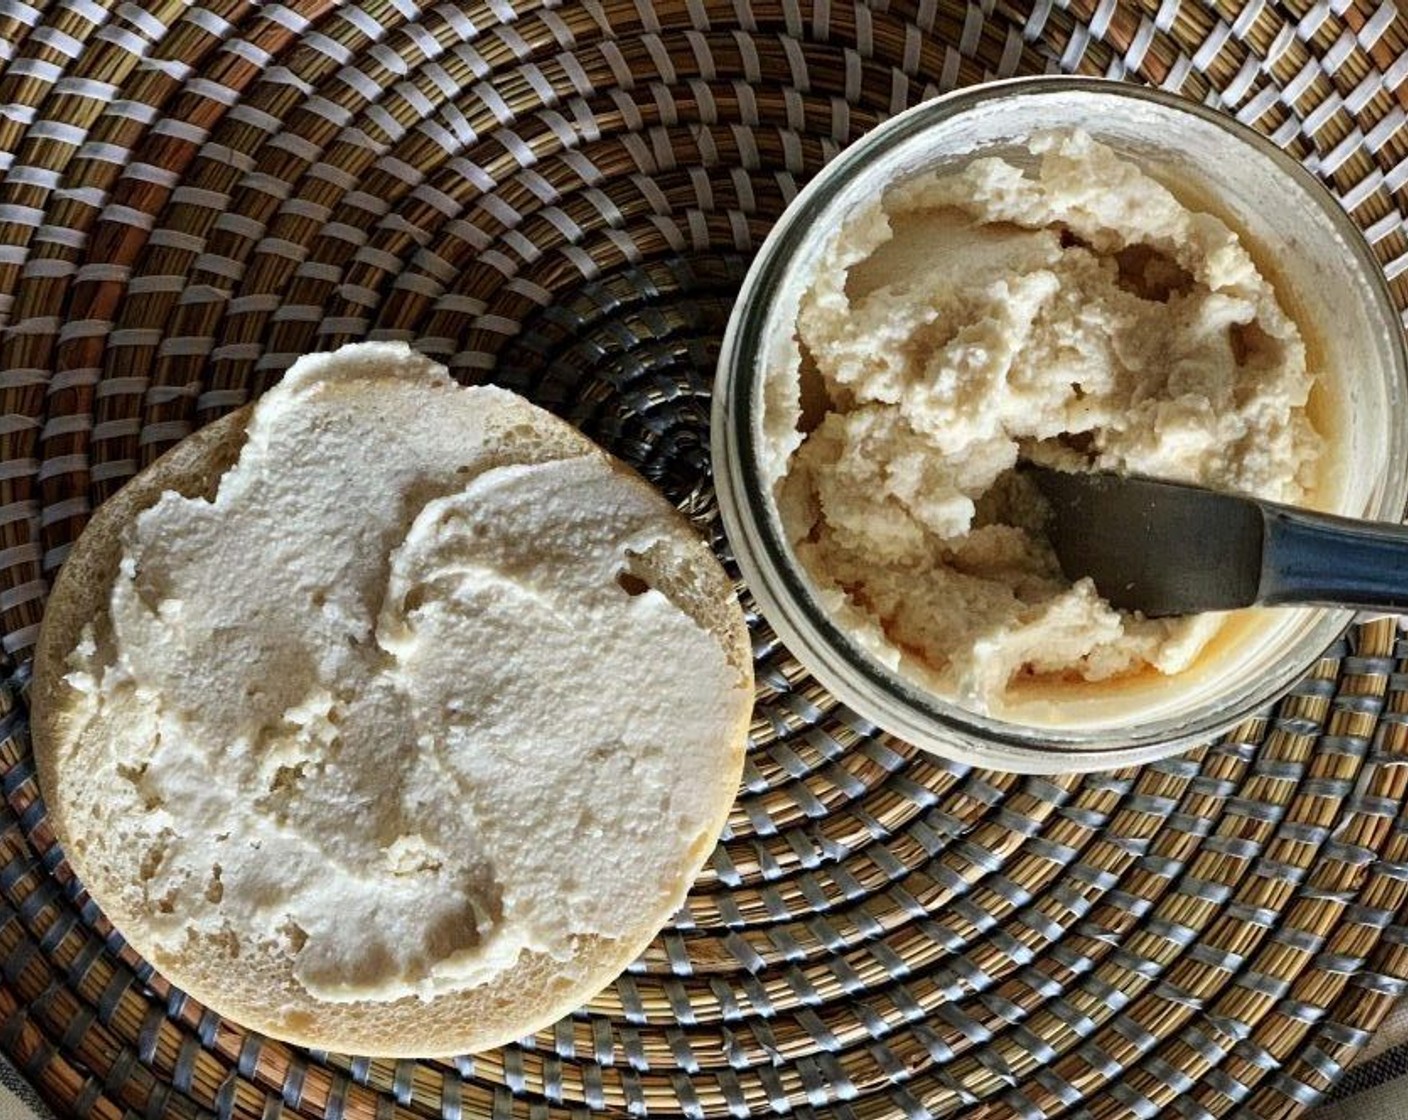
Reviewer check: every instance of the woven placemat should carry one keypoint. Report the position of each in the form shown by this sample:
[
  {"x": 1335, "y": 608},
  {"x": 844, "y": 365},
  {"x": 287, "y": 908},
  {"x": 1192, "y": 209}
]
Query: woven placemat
[{"x": 562, "y": 198}]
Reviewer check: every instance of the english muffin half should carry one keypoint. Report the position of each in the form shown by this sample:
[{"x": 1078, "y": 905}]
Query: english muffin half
[{"x": 387, "y": 715}]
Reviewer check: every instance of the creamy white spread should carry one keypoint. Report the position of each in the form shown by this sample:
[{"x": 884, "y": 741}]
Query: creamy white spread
[
  {"x": 388, "y": 704},
  {"x": 1074, "y": 313}
]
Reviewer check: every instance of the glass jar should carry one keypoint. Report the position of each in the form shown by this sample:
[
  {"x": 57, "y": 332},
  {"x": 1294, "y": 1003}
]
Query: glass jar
[{"x": 1326, "y": 278}]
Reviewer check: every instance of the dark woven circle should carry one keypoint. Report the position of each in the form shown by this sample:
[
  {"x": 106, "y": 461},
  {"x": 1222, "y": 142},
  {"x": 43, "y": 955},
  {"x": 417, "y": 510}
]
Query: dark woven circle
[{"x": 563, "y": 200}]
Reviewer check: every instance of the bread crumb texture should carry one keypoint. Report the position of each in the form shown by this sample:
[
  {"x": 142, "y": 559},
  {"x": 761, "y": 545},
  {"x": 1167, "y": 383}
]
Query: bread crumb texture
[
  {"x": 406, "y": 701},
  {"x": 1075, "y": 313}
]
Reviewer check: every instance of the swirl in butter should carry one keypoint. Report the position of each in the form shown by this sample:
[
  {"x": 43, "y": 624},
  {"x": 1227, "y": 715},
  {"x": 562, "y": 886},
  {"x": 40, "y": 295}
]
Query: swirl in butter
[{"x": 1075, "y": 313}]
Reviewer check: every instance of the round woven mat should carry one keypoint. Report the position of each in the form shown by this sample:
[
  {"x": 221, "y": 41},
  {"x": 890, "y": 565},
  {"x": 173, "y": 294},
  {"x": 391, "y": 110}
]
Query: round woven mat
[{"x": 562, "y": 198}]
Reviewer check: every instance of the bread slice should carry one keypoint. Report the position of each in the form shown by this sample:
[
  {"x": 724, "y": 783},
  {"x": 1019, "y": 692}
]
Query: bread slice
[{"x": 313, "y": 906}]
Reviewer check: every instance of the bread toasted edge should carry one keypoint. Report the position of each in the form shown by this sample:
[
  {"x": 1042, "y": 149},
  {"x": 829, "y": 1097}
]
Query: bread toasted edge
[{"x": 451, "y": 1023}]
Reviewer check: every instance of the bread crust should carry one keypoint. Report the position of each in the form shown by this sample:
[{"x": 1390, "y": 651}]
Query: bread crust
[{"x": 262, "y": 993}]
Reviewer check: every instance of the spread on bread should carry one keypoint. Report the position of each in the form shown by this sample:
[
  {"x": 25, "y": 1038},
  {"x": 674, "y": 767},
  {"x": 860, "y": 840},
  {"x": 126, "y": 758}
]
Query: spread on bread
[{"x": 428, "y": 689}]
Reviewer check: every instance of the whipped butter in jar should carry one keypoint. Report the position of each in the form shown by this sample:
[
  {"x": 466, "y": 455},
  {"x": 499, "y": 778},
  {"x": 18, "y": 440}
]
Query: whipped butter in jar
[{"x": 1082, "y": 274}]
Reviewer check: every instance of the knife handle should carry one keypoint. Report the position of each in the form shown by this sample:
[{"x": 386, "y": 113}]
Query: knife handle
[{"x": 1333, "y": 561}]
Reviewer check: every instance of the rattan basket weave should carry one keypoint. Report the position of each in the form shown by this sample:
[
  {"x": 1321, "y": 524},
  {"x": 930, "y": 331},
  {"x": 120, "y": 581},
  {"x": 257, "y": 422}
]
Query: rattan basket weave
[{"x": 562, "y": 198}]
